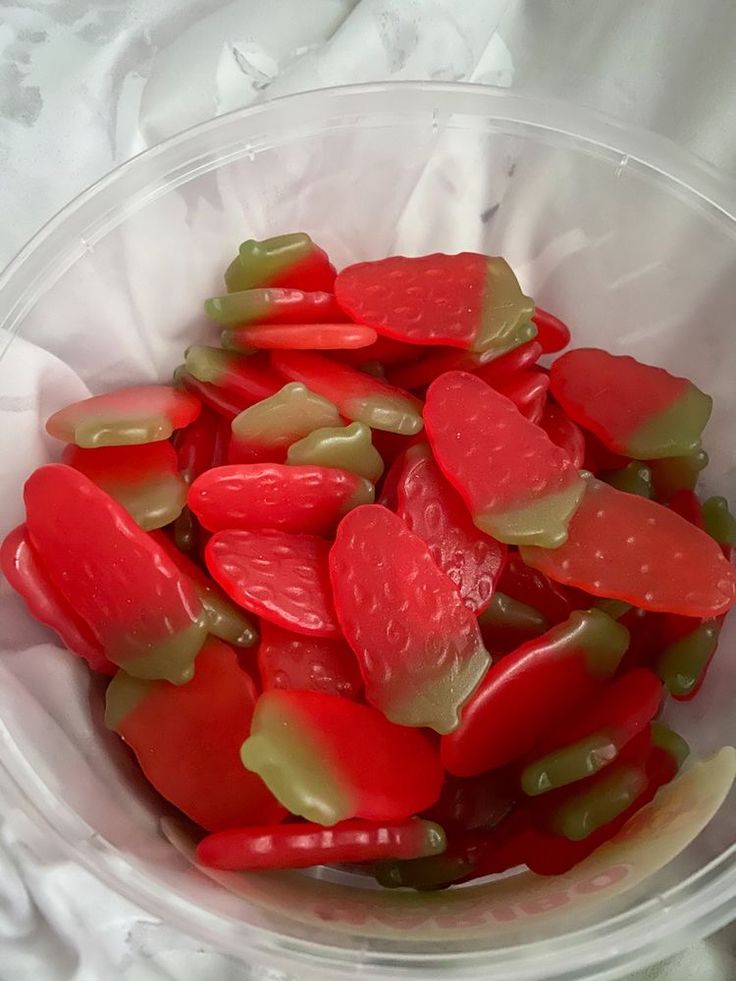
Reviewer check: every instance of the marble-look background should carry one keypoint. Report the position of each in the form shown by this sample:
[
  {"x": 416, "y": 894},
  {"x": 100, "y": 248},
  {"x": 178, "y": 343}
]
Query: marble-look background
[{"x": 85, "y": 84}]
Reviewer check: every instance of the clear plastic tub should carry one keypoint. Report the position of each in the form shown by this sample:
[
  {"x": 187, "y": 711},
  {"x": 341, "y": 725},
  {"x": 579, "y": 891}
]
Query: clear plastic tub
[{"x": 626, "y": 237}]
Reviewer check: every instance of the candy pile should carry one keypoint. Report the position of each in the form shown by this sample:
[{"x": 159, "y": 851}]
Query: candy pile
[{"x": 372, "y": 585}]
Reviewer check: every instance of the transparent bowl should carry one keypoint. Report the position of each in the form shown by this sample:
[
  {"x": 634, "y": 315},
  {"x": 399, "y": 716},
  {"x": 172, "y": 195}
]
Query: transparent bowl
[{"x": 625, "y": 236}]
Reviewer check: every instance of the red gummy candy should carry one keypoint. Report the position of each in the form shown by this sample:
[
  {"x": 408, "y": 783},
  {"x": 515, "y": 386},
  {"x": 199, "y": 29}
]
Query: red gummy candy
[
  {"x": 299, "y": 846},
  {"x": 545, "y": 853},
  {"x": 329, "y": 759},
  {"x": 433, "y": 510},
  {"x": 287, "y": 660},
  {"x": 533, "y": 689},
  {"x": 687, "y": 505},
  {"x": 226, "y": 378},
  {"x": 518, "y": 486},
  {"x": 292, "y": 260},
  {"x": 224, "y": 619},
  {"x": 124, "y": 417},
  {"x": 295, "y": 499},
  {"x": 635, "y": 409},
  {"x": 529, "y": 586},
  {"x": 358, "y": 396},
  {"x": 21, "y": 567},
  {"x": 142, "y": 609},
  {"x": 564, "y": 433},
  {"x": 623, "y": 709},
  {"x": 420, "y": 372},
  {"x": 528, "y": 391},
  {"x": 630, "y": 548},
  {"x": 187, "y": 740},
  {"x": 598, "y": 458},
  {"x": 552, "y": 334},
  {"x": 280, "y": 577},
  {"x": 300, "y": 337},
  {"x": 502, "y": 369},
  {"x": 145, "y": 479},
  {"x": 202, "y": 444},
  {"x": 384, "y": 350},
  {"x": 419, "y": 648},
  {"x": 275, "y": 305},
  {"x": 468, "y": 300},
  {"x": 224, "y": 403}
]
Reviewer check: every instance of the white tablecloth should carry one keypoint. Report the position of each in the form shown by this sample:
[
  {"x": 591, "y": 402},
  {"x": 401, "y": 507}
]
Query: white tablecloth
[{"x": 84, "y": 84}]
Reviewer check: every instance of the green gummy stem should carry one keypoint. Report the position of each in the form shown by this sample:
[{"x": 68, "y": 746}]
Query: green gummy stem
[
  {"x": 93, "y": 432},
  {"x": 153, "y": 503},
  {"x": 596, "y": 806},
  {"x": 506, "y": 315},
  {"x": 636, "y": 478},
  {"x": 124, "y": 694},
  {"x": 614, "y": 608},
  {"x": 345, "y": 447},
  {"x": 422, "y": 874},
  {"x": 292, "y": 413},
  {"x": 224, "y": 619},
  {"x": 295, "y": 767},
  {"x": 437, "y": 703},
  {"x": 244, "y": 307},
  {"x": 504, "y": 612},
  {"x": 543, "y": 522},
  {"x": 719, "y": 522},
  {"x": 569, "y": 764},
  {"x": 675, "y": 431},
  {"x": 600, "y": 639},
  {"x": 169, "y": 659},
  {"x": 670, "y": 741},
  {"x": 681, "y": 665},
  {"x": 258, "y": 263},
  {"x": 390, "y": 413},
  {"x": 676, "y": 473}
]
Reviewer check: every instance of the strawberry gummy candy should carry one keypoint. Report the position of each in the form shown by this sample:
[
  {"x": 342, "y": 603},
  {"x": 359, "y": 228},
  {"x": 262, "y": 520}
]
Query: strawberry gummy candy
[{"x": 518, "y": 485}]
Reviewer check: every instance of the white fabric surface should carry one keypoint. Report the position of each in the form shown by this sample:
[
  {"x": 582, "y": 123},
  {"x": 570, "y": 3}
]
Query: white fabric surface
[{"x": 83, "y": 85}]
